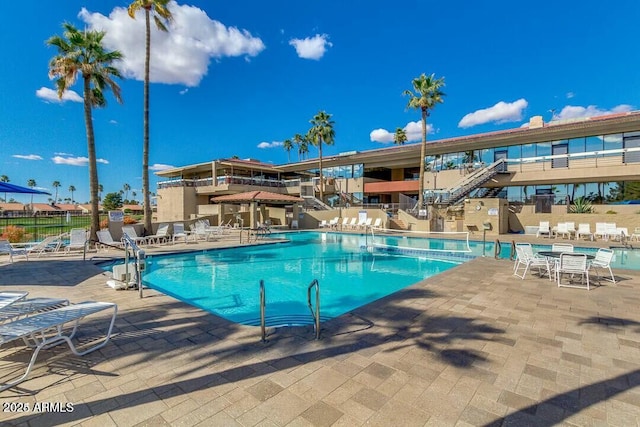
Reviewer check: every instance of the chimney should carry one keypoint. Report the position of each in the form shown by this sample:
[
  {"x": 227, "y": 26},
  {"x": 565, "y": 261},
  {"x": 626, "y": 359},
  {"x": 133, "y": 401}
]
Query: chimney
[{"x": 536, "y": 122}]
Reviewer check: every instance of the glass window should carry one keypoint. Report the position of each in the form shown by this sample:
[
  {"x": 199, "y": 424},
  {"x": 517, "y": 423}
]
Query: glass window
[
  {"x": 576, "y": 145},
  {"x": 357, "y": 171},
  {"x": 632, "y": 142},
  {"x": 543, "y": 149},
  {"x": 560, "y": 148},
  {"x": 514, "y": 194},
  {"x": 613, "y": 142},
  {"x": 594, "y": 143},
  {"x": 514, "y": 152},
  {"x": 528, "y": 150},
  {"x": 486, "y": 156}
]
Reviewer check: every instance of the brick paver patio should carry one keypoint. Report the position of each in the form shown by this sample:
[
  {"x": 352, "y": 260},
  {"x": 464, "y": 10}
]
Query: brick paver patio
[{"x": 472, "y": 346}]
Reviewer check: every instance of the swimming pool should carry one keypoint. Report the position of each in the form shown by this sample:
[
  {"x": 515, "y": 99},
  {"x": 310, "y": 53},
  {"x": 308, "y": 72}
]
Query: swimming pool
[{"x": 226, "y": 281}]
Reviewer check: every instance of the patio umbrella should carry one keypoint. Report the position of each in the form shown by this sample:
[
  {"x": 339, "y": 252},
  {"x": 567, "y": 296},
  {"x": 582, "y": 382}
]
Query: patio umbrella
[{"x": 5, "y": 187}]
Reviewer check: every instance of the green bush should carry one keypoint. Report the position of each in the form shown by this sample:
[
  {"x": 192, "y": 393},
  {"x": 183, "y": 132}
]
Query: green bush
[{"x": 581, "y": 205}]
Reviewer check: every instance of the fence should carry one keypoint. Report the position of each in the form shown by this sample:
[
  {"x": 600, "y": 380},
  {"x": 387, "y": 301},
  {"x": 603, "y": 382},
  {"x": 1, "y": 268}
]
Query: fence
[{"x": 37, "y": 227}]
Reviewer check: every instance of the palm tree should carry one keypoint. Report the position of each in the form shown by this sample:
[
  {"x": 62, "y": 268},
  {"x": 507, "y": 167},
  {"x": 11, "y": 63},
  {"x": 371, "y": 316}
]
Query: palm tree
[
  {"x": 400, "y": 137},
  {"x": 82, "y": 53},
  {"x": 31, "y": 183},
  {"x": 100, "y": 190},
  {"x": 126, "y": 189},
  {"x": 321, "y": 132},
  {"x": 425, "y": 96},
  {"x": 56, "y": 185},
  {"x": 133, "y": 195},
  {"x": 4, "y": 178},
  {"x": 71, "y": 190},
  {"x": 299, "y": 140},
  {"x": 161, "y": 15},
  {"x": 288, "y": 145}
]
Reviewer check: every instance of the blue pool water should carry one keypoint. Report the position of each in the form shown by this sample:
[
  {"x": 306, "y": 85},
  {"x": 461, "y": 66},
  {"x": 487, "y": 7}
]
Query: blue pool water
[{"x": 226, "y": 282}]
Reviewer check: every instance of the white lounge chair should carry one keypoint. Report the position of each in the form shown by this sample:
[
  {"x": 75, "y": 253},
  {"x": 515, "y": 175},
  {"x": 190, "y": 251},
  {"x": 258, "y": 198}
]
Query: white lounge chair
[
  {"x": 131, "y": 233},
  {"x": 601, "y": 230},
  {"x": 603, "y": 260},
  {"x": 162, "y": 234},
  {"x": 527, "y": 259},
  {"x": 584, "y": 230},
  {"x": 48, "y": 245},
  {"x": 333, "y": 224},
  {"x": 377, "y": 224},
  {"x": 563, "y": 230},
  {"x": 8, "y": 298},
  {"x": 345, "y": 223},
  {"x": 613, "y": 232},
  {"x": 573, "y": 264},
  {"x": 180, "y": 233},
  {"x": 543, "y": 229},
  {"x": 353, "y": 223},
  {"x": 7, "y": 248},
  {"x": 323, "y": 224},
  {"x": 29, "y": 306},
  {"x": 366, "y": 224},
  {"x": 635, "y": 235},
  {"x": 48, "y": 329},
  {"x": 106, "y": 240},
  {"x": 77, "y": 239}
]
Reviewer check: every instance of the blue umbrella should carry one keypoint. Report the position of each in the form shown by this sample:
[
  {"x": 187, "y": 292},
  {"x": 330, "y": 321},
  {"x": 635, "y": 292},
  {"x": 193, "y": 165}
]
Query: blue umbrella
[{"x": 5, "y": 187}]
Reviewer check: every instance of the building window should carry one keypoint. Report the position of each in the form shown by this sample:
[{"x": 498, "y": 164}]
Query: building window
[
  {"x": 559, "y": 148},
  {"x": 632, "y": 141}
]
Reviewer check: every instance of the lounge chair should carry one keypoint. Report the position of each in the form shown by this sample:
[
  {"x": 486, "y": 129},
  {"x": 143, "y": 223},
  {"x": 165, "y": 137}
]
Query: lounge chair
[
  {"x": 584, "y": 230},
  {"x": 162, "y": 234},
  {"x": 543, "y": 229},
  {"x": 106, "y": 240},
  {"x": 77, "y": 239},
  {"x": 635, "y": 235},
  {"x": 527, "y": 259},
  {"x": 345, "y": 223},
  {"x": 573, "y": 264},
  {"x": 601, "y": 230},
  {"x": 8, "y": 298},
  {"x": 180, "y": 233},
  {"x": 563, "y": 230},
  {"x": 47, "y": 329},
  {"x": 48, "y": 245},
  {"x": 366, "y": 224},
  {"x": 612, "y": 231},
  {"x": 571, "y": 229},
  {"x": 131, "y": 233},
  {"x": 29, "y": 306},
  {"x": 7, "y": 248},
  {"x": 323, "y": 224},
  {"x": 603, "y": 260},
  {"x": 333, "y": 224},
  {"x": 377, "y": 224},
  {"x": 353, "y": 223}
]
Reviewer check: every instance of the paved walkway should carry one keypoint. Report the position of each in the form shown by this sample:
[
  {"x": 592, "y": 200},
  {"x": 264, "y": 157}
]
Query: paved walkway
[{"x": 472, "y": 346}]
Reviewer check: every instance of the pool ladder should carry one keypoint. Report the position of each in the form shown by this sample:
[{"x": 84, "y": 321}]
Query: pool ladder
[{"x": 315, "y": 313}]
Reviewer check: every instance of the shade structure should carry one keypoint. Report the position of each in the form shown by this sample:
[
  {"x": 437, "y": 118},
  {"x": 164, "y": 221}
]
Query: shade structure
[
  {"x": 266, "y": 197},
  {"x": 5, "y": 187}
]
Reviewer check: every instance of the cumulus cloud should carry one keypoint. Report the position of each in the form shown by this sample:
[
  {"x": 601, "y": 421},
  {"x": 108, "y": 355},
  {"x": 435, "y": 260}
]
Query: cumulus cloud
[
  {"x": 577, "y": 112},
  {"x": 311, "y": 47},
  {"x": 51, "y": 95},
  {"x": 160, "y": 167},
  {"x": 502, "y": 112},
  {"x": 570, "y": 95},
  {"x": 27, "y": 156},
  {"x": 272, "y": 144},
  {"x": 178, "y": 56},
  {"x": 75, "y": 161},
  {"x": 412, "y": 129}
]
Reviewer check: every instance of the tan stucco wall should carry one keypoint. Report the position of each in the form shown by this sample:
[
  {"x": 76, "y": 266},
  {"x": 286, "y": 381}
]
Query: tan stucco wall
[{"x": 176, "y": 203}]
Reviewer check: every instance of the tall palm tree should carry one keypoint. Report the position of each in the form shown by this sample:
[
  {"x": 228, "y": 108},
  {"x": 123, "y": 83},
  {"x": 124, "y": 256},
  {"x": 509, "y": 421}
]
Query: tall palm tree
[
  {"x": 288, "y": 145},
  {"x": 298, "y": 140},
  {"x": 4, "y": 178},
  {"x": 400, "y": 137},
  {"x": 133, "y": 196},
  {"x": 100, "y": 190},
  {"x": 82, "y": 53},
  {"x": 321, "y": 132},
  {"x": 56, "y": 185},
  {"x": 425, "y": 96},
  {"x": 126, "y": 189},
  {"x": 161, "y": 15},
  {"x": 31, "y": 183},
  {"x": 71, "y": 190}
]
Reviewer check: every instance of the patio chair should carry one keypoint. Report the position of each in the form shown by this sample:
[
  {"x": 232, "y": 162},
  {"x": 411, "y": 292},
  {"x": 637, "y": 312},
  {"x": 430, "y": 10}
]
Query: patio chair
[
  {"x": 162, "y": 234},
  {"x": 48, "y": 245},
  {"x": 603, "y": 260},
  {"x": 77, "y": 239},
  {"x": 613, "y": 232},
  {"x": 635, "y": 235},
  {"x": 179, "y": 233},
  {"x": 563, "y": 230},
  {"x": 7, "y": 248},
  {"x": 543, "y": 229},
  {"x": 584, "y": 230},
  {"x": 571, "y": 229},
  {"x": 47, "y": 329},
  {"x": 527, "y": 259},
  {"x": 377, "y": 224},
  {"x": 131, "y": 233},
  {"x": 562, "y": 247},
  {"x": 323, "y": 224},
  {"x": 573, "y": 264},
  {"x": 345, "y": 223},
  {"x": 333, "y": 224},
  {"x": 601, "y": 230},
  {"x": 106, "y": 240},
  {"x": 353, "y": 223},
  {"x": 367, "y": 223}
]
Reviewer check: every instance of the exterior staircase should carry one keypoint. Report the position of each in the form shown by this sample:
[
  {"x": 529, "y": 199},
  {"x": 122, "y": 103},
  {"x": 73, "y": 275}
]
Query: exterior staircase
[
  {"x": 314, "y": 204},
  {"x": 470, "y": 183},
  {"x": 397, "y": 224}
]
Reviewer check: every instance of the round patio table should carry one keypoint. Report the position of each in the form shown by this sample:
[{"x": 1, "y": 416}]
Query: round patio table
[{"x": 556, "y": 254}]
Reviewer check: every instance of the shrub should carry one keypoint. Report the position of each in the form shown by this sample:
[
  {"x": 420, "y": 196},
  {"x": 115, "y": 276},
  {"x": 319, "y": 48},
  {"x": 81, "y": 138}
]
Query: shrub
[
  {"x": 13, "y": 234},
  {"x": 130, "y": 220},
  {"x": 581, "y": 205},
  {"x": 104, "y": 224},
  {"x": 611, "y": 212}
]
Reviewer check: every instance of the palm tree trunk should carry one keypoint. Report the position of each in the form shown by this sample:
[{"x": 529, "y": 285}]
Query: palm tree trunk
[
  {"x": 423, "y": 153},
  {"x": 93, "y": 166},
  {"x": 321, "y": 180},
  {"x": 145, "y": 138}
]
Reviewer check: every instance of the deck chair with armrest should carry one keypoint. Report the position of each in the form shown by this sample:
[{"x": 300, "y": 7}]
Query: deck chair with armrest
[
  {"x": 131, "y": 232},
  {"x": 48, "y": 245},
  {"x": 106, "y": 240},
  {"x": 6, "y": 248},
  {"x": 603, "y": 260},
  {"x": 180, "y": 233},
  {"x": 29, "y": 306},
  {"x": 161, "y": 236},
  {"x": 51, "y": 328},
  {"x": 543, "y": 229},
  {"x": 584, "y": 230},
  {"x": 527, "y": 259},
  {"x": 601, "y": 230},
  {"x": 563, "y": 230},
  {"x": 377, "y": 224},
  {"x": 344, "y": 223},
  {"x": 572, "y": 264},
  {"x": 77, "y": 239}
]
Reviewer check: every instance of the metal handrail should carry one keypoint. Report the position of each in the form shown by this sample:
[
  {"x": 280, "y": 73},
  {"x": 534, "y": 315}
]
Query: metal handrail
[
  {"x": 263, "y": 303},
  {"x": 316, "y": 314},
  {"x": 139, "y": 260}
]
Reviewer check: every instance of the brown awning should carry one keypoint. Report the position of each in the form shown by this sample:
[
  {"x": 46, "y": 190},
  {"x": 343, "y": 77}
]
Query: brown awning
[{"x": 258, "y": 196}]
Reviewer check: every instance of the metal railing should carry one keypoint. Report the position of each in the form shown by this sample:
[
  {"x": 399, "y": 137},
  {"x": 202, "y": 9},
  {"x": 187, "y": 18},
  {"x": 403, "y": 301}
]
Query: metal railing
[
  {"x": 263, "y": 304},
  {"x": 140, "y": 260},
  {"x": 315, "y": 314}
]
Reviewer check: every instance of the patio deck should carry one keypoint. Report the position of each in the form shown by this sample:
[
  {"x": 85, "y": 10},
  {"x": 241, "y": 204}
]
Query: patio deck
[{"x": 472, "y": 346}]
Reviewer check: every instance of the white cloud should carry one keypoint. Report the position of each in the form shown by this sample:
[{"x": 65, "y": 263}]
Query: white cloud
[
  {"x": 113, "y": 122},
  {"x": 160, "y": 167},
  {"x": 27, "y": 156},
  {"x": 311, "y": 47},
  {"x": 178, "y": 56},
  {"x": 570, "y": 95},
  {"x": 75, "y": 161},
  {"x": 273, "y": 144},
  {"x": 51, "y": 95},
  {"x": 412, "y": 129},
  {"x": 502, "y": 112},
  {"x": 577, "y": 112},
  {"x": 183, "y": 91}
]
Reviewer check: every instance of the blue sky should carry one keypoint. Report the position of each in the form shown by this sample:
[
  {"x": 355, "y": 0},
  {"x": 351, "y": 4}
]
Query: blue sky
[{"x": 239, "y": 78}]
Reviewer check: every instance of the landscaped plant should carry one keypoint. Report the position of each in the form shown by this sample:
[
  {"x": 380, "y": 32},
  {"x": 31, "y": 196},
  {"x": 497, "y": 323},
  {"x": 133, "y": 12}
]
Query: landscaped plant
[
  {"x": 581, "y": 205},
  {"x": 129, "y": 220},
  {"x": 611, "y": 212},
  {"x": 13, "y": 234}
]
